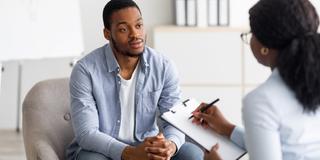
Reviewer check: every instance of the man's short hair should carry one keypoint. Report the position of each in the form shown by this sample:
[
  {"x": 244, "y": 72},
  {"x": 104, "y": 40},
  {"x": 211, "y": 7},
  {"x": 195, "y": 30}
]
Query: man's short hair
[{"x": 113, "y": 6}]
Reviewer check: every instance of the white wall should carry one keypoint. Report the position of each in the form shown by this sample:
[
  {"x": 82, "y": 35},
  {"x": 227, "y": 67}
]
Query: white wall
[
  {"x": 316, "y": 4},
  {"x": 45, "y": 28},
  {"x": 155, "y": 12},
  {"x": 92, "y": 24},
  {"x": 239, "y": 11},
  {"x": 39, "y": 28},
  {"x": 239, "y": 16}
]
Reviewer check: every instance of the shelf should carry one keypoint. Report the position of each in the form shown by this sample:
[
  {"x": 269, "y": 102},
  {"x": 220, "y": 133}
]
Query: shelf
[{"x": 173, "y": 28}]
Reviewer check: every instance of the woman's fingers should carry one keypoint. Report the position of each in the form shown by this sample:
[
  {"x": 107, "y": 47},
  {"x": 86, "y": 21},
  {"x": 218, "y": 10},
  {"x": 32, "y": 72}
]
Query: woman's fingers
[{"x": 215, "y": 147}]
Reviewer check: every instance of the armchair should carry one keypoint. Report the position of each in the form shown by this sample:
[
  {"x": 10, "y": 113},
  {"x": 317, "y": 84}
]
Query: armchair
[{"x": 47, "y": 129}]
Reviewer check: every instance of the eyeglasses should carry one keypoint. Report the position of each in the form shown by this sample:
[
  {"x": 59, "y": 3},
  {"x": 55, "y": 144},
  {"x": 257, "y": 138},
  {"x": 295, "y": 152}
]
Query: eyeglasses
[{"x": 246, "y": 37}]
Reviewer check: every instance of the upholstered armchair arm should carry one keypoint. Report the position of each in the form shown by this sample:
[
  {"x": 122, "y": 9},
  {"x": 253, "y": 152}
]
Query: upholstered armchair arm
[{"x": 42, "y": 151}]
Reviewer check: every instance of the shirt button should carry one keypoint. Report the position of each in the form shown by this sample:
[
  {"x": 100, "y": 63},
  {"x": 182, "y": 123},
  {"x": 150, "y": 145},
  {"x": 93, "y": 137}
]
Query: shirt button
[
  {"x": 119, "y": 82},
  {"x": 118, "y": 121}
]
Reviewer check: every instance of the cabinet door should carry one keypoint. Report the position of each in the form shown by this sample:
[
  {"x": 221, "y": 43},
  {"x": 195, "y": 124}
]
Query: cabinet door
[
  {"x": 230, "y": 99},
  {"x": 202, "y": 56},
  {"x": 34, "y": 71},
  {"x": 9, "y": 94}
]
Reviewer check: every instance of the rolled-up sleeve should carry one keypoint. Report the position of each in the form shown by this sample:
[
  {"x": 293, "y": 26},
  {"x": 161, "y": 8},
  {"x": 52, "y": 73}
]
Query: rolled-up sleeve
[
  {"x": 169, "y": 97},
  {"x": 85, "y": 118}
]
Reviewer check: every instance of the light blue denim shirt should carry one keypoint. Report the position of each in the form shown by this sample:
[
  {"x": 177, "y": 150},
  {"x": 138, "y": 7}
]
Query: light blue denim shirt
[{"x": 95, "y": 103}]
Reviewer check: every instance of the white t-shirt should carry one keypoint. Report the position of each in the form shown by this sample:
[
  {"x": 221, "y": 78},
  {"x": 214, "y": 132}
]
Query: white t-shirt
[{"x": 127, "y": 94}]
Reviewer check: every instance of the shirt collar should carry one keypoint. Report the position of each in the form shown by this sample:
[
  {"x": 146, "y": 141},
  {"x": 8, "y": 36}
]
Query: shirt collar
[
  {"x": 111, "y": 59},
  {"x": 275, "y": 72},
  {"x": 112, "y": 62},
  {"x": 143, "y": 60}
]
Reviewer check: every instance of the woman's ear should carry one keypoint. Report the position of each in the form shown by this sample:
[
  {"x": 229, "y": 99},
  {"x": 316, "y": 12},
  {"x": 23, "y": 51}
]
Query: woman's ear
[
  {"x": 107, "y": 34},
  {"x": 264, "y": 51}
]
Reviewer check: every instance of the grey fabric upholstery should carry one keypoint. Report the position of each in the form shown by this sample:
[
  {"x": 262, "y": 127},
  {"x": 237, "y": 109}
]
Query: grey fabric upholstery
[{"x": 47, "y": 129}]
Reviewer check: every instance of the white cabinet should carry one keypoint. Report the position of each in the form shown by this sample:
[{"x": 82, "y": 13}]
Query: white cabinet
[
  {"x": 19, "y": 77},
  {"x": 202, "y": 56},
  {"x": 9, "y": 94},
  {"x": 33, "y": 71},
  {"x": 213, "y": 63}
]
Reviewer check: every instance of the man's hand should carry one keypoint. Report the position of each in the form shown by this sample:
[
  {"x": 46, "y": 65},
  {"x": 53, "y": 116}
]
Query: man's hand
[
  {"x": 159, "y": 148},
  {"x": 152, "y": 148},
  {"x": 135, "y": 152},
  {"x": 213, "y": 154}
]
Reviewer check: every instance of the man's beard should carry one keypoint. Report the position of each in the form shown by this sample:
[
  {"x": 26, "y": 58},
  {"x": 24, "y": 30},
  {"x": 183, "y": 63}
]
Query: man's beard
[{"x": 129, "y": 54}]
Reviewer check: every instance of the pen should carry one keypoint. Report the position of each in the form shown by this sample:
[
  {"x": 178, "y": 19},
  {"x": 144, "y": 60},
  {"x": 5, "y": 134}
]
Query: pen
[{"x": 206, "y": 107}]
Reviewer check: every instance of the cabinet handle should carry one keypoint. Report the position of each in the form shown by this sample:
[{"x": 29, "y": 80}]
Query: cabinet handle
[
  {"x": 73, "y": 62},
  {"x": 2, "y": 69}
]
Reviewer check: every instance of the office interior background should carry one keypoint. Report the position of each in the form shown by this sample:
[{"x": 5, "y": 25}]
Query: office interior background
[{"x": 42, "y": 39}]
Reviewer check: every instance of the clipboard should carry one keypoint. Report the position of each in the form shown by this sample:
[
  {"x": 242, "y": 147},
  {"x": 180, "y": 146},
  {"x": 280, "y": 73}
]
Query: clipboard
[{"x": 178, "y": 116}]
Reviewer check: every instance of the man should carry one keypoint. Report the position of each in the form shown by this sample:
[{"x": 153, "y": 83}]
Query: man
[{"x": 116, "y": 91}]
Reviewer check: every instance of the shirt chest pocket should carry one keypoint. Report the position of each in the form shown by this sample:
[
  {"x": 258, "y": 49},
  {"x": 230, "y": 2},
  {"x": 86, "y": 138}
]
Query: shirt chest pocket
[{"x": 150, "y": 100}]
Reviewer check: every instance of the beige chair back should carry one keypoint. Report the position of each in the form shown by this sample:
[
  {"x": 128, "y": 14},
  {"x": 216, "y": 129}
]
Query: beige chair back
[{"x": 47, "y": 129}]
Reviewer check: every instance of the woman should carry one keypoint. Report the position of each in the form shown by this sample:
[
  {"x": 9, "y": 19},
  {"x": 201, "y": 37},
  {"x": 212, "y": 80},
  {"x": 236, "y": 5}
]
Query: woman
[{"x": 281, "y": 117}]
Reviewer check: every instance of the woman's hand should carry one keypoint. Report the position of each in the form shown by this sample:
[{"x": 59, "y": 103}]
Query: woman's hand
[
  {"x": 213, "y": 118},
  {"x": 213, "y": 154}
]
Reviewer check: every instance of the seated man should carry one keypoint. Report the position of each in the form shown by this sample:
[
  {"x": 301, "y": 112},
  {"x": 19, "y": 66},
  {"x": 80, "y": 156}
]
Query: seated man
[{"x": 116, "y": 91}]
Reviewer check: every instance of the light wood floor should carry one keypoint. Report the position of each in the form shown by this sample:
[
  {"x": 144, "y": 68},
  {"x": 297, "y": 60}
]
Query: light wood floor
[{"x": 11, "y": 145}]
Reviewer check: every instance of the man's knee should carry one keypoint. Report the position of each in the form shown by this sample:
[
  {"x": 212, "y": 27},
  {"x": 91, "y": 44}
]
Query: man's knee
[
  {"x": 86, "y": 155},
  {"x": 189, "y": 151}
]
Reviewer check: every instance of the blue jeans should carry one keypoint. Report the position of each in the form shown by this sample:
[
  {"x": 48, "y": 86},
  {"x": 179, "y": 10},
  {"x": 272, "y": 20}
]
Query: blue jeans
[{"x": 187, "y": 151}]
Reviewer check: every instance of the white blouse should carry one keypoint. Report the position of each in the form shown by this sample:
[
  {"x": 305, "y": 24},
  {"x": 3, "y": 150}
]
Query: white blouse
[{"x": 276, "y": 127}]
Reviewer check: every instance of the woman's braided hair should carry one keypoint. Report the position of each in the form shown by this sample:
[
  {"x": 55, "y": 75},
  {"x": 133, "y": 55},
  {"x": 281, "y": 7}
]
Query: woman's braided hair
[{"x": 290, "y": 26}]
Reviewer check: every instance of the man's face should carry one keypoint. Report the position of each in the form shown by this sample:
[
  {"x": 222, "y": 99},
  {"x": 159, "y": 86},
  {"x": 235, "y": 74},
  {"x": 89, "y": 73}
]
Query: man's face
[{"x": 127, "y": 35}]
